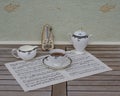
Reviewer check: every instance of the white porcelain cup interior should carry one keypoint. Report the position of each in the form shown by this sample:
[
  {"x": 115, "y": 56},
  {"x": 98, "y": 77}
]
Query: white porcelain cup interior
[{"x": 57, "y": 53}]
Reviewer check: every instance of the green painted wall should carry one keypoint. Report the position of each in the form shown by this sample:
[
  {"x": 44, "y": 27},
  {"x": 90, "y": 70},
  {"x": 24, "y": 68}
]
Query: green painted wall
[{"x": 22, "y": 20}]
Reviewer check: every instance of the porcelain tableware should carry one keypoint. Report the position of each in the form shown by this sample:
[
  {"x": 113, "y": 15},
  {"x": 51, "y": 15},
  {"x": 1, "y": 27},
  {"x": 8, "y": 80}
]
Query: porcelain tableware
[
  {"x": 25, "y": 52},
  {"x": 80, "y": 41},
  {"x": 57, "y": 63},
  {"x": 57, "y": 59}
]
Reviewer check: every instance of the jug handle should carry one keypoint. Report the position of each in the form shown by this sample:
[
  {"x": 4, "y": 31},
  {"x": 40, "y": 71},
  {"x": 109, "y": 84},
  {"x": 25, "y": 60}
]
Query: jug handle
[{"x": 14, "y": 53}]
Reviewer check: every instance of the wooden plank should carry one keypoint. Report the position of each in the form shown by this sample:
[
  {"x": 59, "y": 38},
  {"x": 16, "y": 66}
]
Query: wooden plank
[
  {"x": 18, "y": 88},
  {"x": 4, "y": 72},
  {"x": 112, "y": 63},
  {"x": 5, "y": 60},
  {"x": 94, "y": 88},
  {"x": 111, "y": 73},
  {"x": 20, "y": 93},
  {"x": 6, "y": 77},
  {"x": 110, "y": 59},
  {"x": 98, "y": 47},
  {"x": 100, "y": 77},
  {"x": 8, "y": 82},
  {"x": 104, "y": 52},
  {"x": 94, "y": 83},
  {"x": 59, "y": 89},
  {"x": 79, "y": 93}
]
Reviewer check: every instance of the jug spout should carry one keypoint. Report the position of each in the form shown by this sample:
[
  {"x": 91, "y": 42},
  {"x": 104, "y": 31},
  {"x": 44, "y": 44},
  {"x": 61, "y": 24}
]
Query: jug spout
[
  {"x": 34, "y": 47},
  {"x": 29, "y": 47}
]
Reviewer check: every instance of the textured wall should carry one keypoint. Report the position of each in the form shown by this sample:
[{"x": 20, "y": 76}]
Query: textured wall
[{"x": 22, "y": 20}]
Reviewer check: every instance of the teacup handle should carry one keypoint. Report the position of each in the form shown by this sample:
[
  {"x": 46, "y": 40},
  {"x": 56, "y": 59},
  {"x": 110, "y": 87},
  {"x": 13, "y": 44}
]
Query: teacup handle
[{"x": 14, "y": 53}]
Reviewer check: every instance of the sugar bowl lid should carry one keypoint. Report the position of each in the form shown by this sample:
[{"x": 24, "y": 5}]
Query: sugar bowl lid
[{"x": 80, "y": 33}]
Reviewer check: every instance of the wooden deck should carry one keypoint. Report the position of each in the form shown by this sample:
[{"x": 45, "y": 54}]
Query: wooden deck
[{"x": 103, "y": 84}]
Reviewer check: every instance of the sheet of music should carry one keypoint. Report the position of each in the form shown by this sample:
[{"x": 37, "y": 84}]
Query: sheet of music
[{"x": 33, "y": 74}]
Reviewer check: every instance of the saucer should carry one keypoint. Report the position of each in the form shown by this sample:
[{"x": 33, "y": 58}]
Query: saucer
[{"x": 57, "y": 63}]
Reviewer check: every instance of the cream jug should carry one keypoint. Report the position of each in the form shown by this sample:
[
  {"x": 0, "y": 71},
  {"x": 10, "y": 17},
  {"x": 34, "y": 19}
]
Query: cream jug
[
  {"x": 80, "y": 40},
  {"x": 25, "y": 52}
]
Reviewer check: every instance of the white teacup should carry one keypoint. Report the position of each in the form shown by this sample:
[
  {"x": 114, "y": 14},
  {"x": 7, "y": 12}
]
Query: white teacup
[
  {"x": 57, "y": 59},
  {"x": 57, "y": 53},
  {"x": 25, "y": 52}
]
